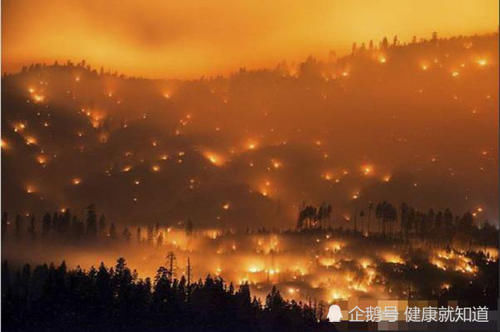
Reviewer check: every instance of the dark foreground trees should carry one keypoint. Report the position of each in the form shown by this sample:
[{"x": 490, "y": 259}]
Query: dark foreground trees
[{"x": 115, "y": 299}]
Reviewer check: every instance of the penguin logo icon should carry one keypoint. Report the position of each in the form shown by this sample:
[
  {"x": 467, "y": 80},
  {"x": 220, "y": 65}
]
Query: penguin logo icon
[{"x": 334, "y": 314}]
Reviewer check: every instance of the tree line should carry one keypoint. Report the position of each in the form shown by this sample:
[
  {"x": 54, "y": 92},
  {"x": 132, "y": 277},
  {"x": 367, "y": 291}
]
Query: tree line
[
  {"x": 403, "y": 223},
  {"x": 49, "y": 297}
]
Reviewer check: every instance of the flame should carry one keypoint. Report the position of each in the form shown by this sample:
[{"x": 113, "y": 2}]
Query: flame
[
  {"x": 41, "y": 159},
  {"x": 367, "y": 169},
  {"x": 482, "y": 62},
  {"x": 214, "y": 158},
  {"x": 327, "y": 176},
  {"x": 30, "y": 140},
  {"x": 30, "y": 189},
  {"x": 37, "y": 98},
  {"x": 276, "y": 163}
]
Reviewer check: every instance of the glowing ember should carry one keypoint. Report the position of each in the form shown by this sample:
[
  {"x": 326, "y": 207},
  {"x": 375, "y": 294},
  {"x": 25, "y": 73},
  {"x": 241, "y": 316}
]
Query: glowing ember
[
  {"x": 367, "y": 169},
  {"x": 392, "y": 258},
  {"x": 30, "y": 140},
  {"x": 482, "y": 62},
  {"x": 214, "y": 158},
  {"x": 445, "y": 286},
  {"x": 276, "y": 164},
  {"x": 251, "y": 145},
  {"x": 41, "y": 159},
  {"x": 38, "y": 98},
  {"x": 76, "y": 181},
  {"x": 19, "y": 127}
]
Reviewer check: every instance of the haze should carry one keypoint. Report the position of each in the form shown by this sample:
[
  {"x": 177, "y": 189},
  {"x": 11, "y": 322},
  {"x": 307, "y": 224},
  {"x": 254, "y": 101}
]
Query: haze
[{"x": 188, "y": 39}]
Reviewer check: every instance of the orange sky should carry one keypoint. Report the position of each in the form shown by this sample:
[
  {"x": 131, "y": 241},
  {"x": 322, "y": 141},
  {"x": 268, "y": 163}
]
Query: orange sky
[{"x": 185, "y": 39}]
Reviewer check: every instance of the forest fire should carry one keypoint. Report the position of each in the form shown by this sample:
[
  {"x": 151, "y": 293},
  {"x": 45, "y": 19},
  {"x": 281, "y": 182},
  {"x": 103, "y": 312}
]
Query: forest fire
[
  {"x": 270, "y": 191},
  {"x": 214, "y": 158}
]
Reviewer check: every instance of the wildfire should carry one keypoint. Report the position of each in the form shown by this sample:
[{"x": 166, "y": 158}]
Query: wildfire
[
  {"x": 41, "y": 159},
  {"x": 276, "y": 164},
  {"x": 30, "y": 140},
  {"x": 482, "y": 62},
  {"x": 367, "y": 169},
  {"x": 392, "y": 258},
  {"x": 437, "y": 263},
  {"x": 38, "y": 98},
  {"x": 251, "y": 145},
  {"x": 445, "y": 286},
  {"x": 254, "y": 269},
  {"x": 214, "y": 158},
  {"x": 327, "y": 176}
]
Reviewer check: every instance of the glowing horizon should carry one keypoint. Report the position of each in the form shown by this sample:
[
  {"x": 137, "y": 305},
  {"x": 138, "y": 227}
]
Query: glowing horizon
[{"x": 192, "y": 39}]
